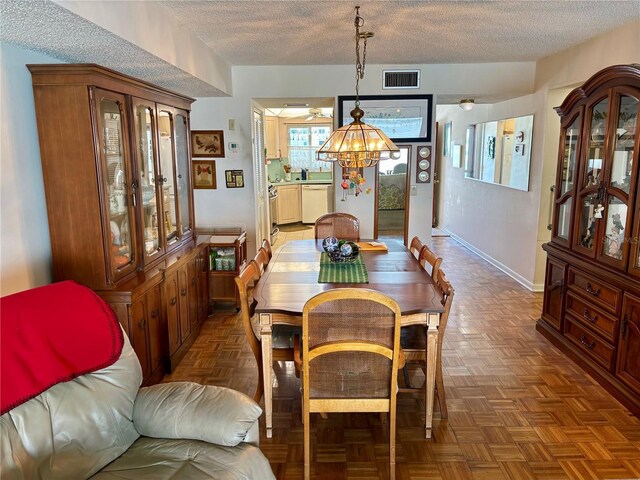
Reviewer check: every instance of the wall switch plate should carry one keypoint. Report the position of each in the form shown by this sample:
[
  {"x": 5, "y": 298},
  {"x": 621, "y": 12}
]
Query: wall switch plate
[
  {"x": 232, "y": 124},
  {"x": 414, "y": 191}
]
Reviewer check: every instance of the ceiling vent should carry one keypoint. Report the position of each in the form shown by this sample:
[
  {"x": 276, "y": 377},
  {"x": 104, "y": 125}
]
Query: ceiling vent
[{"x": 401, "y": 79}]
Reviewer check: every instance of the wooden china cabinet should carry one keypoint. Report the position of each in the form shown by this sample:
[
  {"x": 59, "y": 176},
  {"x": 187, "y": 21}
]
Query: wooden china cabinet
[
  {"x": 115, "y": 160},
  {"x": 591, "y": 307}
]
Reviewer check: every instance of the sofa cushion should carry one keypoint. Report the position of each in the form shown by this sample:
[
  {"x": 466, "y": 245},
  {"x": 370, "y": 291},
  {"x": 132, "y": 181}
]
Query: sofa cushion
[
  {"x": 192, "y": 411},
  {"x": 74, "y": 428},
  {"x": 162, "y": 459}
]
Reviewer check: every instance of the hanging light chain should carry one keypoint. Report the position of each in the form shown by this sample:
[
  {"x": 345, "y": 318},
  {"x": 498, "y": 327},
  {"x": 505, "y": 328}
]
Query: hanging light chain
[{"x": 359, "y": 22}]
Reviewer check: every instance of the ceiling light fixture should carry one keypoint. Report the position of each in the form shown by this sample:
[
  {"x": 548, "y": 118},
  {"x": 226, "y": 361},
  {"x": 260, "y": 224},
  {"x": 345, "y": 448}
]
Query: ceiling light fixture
[
  {"x": 357, "y": 145},
  {"x": 467, "y": 104}
]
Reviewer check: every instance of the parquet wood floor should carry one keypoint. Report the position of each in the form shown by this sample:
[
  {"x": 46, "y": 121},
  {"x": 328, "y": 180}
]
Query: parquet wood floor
[{"x": 518, "y": 408}]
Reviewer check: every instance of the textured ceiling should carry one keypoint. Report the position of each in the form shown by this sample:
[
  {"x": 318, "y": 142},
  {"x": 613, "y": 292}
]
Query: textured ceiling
[
  {"x": 53, "y": 30},
  {"x": 305, "y": 32},
  {"x": 310, "y": 32}
]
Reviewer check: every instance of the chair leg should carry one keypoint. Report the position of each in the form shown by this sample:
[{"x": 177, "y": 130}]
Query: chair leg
[
  {"x": 306, "y": 443},
  {"x": 442, "y": 401}
]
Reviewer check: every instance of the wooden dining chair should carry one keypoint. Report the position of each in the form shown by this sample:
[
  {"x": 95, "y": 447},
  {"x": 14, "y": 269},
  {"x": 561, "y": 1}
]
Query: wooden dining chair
[
  {"x": 350, "y": 357},
  {"x": 267, "y": 246},
  {"x": 415, "y": 247},
  {"x": 282, "y": 335},
  {"x": 429, "y": 257},
  {"x": 413, "y": 340},
  {"x": 343, "y": 226},
  {"x": 262, "y": 260}
]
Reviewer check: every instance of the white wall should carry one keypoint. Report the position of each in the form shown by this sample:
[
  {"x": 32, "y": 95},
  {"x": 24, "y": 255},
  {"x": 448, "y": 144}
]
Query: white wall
[
  {"x": 332, "y": 81},
  {"x": 505, "y": 226},
  {"x": 25, "y": 250}
]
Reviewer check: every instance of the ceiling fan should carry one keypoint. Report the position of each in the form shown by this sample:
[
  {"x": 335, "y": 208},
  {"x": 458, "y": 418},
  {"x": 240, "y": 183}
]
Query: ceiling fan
[{"x": 317, "y": 113}]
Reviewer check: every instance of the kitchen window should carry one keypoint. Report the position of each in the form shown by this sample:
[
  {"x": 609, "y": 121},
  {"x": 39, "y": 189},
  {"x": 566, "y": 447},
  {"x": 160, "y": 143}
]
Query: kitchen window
[{"x": 303, "y": 141}]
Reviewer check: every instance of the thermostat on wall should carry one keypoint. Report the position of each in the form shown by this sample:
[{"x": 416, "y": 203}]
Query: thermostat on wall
[{"x": 233, "y": 147}]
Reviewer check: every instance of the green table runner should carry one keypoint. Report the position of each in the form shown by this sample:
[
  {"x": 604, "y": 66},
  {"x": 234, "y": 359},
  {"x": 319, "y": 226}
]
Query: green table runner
[{"x": 352, "y": 272}]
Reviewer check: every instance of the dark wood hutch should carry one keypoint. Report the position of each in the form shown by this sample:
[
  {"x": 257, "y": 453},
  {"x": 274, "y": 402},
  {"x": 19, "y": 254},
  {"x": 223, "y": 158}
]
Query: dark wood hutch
[
  {"x": 591, "y": 307},
  {"x": 116, "y": 167}
]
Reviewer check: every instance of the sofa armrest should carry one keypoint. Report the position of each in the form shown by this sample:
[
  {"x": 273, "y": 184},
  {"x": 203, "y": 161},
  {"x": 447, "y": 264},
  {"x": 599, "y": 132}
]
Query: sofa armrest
[{"x": 191, "y": 411}]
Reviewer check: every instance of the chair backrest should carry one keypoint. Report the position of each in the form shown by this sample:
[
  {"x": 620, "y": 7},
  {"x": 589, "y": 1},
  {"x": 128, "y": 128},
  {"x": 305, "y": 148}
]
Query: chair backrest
[
  {"x": 351, "y": 344},
  {"x": 448, "y": 292},
  {"x": 267, "y": 246},
  {"x": 415, "y": 247},
  {"x": 243, "y": 281},
  {"x": 428, "y": 256},
  {"x": 262, "y": 260},
  {"x": 340, "y": 225}
]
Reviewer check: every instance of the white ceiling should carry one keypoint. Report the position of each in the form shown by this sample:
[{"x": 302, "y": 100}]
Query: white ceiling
[{"x": 310, "y": 32}]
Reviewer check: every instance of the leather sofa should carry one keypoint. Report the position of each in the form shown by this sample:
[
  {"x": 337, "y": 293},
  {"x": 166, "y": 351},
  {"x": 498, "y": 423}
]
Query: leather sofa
[{"x": 101, "y": 425}]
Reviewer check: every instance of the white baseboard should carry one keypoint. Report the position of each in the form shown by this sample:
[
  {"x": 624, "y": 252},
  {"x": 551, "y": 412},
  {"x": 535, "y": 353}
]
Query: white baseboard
[{"x": 533, "y": 287}]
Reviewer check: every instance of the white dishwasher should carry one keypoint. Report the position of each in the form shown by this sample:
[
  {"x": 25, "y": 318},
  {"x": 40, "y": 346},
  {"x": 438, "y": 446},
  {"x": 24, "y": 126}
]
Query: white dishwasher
[{"x": 316, "y": 201}]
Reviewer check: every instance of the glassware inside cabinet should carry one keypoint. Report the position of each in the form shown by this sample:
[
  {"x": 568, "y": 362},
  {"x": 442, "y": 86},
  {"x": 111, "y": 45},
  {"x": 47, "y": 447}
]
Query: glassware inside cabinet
[
  {"x": 571, "y": 141},
  {"x": 595, "y": 152},
  {"x": 615, "y": 228},
  {"x": 590, "y": 212},
  {"x": 117, "y": 175},
  {"x": 144, "y": 119},
  {"x": 182, "y": 154},
  {"x": 165, "y": 127},
  {"x": 625, "y": 137}
]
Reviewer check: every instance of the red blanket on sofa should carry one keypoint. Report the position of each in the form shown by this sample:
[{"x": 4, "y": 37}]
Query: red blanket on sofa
[{"x": 53, "y": 334}]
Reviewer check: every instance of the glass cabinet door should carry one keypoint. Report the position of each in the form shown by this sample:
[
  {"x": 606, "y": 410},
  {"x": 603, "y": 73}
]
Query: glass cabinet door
[
  {"x": 145, "y": 145},
  {"x": 117, "y": 173},
  {"x": 620, "y": 176},
  {"x": 570, "y": 139},
  {"x": 166, "y": 145},
  {"x": 182, "y": 157}
]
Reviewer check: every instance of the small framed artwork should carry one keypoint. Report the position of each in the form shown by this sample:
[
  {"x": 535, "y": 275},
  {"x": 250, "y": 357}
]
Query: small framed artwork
[
  {"x": 234, "y": 178},
  {"x": 207, "y": 143},
  {"x": 204, "y": 174}
]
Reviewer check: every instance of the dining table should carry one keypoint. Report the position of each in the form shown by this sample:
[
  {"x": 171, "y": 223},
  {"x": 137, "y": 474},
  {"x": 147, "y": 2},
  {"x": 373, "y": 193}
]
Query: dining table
[{"x": 291, "y": 279}]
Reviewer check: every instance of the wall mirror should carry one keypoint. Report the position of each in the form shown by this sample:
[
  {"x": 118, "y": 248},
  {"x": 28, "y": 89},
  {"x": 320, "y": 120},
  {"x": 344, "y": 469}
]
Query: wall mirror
[{"x": 500, "y": 152}]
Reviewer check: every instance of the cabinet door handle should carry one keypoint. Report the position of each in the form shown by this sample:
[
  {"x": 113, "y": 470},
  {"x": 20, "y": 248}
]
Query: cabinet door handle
[
  {"x": 183, "y": 292},
  {"x": 590, "y": 290},
  {"x": 588, "y": 317},
  {"x": 173, "y": 301},
  {"x": 590, "y": 346},
  {"x": 141, "y": 324},
  {"x": 154, "y": 314}
]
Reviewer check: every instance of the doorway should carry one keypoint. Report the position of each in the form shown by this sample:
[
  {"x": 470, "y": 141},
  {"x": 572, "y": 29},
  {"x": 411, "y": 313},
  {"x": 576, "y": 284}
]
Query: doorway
[{"x": 391, "y": 217}]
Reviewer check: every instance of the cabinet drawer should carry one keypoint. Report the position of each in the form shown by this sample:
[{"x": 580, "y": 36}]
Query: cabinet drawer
[
  {"x": 599, "y": 293},
  {"x": 595, "y": 318},
  {"x": 598, "y": 349}
]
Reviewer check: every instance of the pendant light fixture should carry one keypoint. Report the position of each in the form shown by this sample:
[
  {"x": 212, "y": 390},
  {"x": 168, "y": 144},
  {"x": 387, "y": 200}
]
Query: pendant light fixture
[{"x": 358, "y": 145}]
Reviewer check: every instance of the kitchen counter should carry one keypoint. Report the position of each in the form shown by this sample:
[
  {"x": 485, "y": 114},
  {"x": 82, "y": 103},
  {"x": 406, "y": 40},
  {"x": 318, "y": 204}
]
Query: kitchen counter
[{"x": 302, "y": 182}]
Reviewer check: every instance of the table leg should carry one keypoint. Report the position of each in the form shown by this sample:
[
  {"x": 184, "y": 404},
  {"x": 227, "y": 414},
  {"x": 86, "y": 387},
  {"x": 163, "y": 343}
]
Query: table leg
[
  {"x": 433, "y": 319},
  {"x": 267, "y": 368}
]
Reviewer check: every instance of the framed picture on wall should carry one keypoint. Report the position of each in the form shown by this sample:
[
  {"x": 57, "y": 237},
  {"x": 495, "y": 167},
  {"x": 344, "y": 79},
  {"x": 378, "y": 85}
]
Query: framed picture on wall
[
  {"x": 207, "y": 143},
  {"x": 234, "y": 178},
  {"x": 204, "y": 174},
  {"x": 403, "y": 118}
]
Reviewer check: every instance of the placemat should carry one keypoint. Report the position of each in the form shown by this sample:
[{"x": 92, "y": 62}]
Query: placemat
[
  {"x": 373, "y": 246},
  {"x": 353, "y": 272}
]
